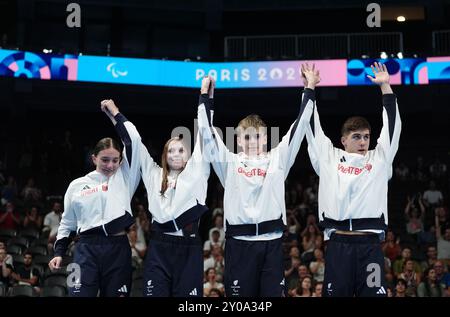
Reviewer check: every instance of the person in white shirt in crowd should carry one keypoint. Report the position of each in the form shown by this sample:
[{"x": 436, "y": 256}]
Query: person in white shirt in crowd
[
  {"x": 51, "y": 223},
  {"x": 317, "y": 266},
  {"x": 138, "y": 248},
  {"x": 432, "y": 197},
  {"x": 215, "y": 240},
  {"x": 218, "y": 225},
  {"x": 6, "y": 266}
]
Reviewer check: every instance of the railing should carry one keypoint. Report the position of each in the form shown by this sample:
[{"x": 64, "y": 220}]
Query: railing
[
  {"x": 346, "y": 45},
  {"x": 441, "y": 42}
]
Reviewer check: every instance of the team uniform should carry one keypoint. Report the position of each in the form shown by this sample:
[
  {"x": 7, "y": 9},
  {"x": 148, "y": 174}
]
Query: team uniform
[
  {"x": 353, "y": 197},
  {"x": 98, "y": 209},
  {"x": 254, "y": 207},
  {"x": 174, "y": 261}
]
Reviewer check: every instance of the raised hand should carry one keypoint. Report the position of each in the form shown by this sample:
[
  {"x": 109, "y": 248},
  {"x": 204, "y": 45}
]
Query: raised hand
[
  {"x": 381, "y": 74},
  {"x": 109, "y": 107},
  {"x": 206, "y": 83},
  {"x": 310, "y": 75}
]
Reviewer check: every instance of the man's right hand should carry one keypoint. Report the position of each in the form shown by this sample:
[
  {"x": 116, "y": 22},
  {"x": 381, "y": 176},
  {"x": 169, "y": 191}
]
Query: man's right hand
[{"x": 55, "y": 263}]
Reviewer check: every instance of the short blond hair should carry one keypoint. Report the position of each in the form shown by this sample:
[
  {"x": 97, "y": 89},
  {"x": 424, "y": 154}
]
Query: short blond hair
[{"x": 251, "y": 121}]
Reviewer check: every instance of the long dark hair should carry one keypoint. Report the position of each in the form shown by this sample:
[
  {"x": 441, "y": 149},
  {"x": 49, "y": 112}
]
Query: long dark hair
[{"x": 427, "y": 284}]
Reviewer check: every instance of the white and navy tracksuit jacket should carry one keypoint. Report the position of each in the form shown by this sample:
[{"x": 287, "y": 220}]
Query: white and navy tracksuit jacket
[
  {"x": 180, "y": 205},
  {"x": 101, "y": 204},
  {"x": 352, "y": 187},
  {"x": 254, "y": 188}
]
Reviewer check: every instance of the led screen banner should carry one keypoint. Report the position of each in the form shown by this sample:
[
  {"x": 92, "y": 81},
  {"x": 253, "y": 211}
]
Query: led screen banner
[{"x": 134, "y": 71}]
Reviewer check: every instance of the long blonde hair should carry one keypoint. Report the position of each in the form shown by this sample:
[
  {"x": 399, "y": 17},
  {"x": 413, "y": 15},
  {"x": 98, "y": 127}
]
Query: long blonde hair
[{"x": 165, "y": 166}]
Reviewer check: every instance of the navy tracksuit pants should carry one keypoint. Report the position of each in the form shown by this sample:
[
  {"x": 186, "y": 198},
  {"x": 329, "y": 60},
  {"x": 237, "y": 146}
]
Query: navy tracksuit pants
[
  {"x": 254, "y": 268},
  {"x": 105, "y": 266},
  {"x": 354, "y": 266},
  {"x": 173, "y": 266}
]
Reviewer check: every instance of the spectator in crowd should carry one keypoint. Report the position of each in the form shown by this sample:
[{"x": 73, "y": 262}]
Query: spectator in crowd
[
  {"x": 216, "y": 261},
  {"x": 443, "y": 217},
  {"x": 430, "y": 287},
  {"x": 52, "y": 220},
  {"x": 9, "y": 191},
  {"x": 400, "y": 288},
  {"x": 317, "y": 267},
  {"x": 293, "y": 226},
  {"x": 10, "y": 218},
  {"x": 291, "y": 273},
  {"x": 31, "y": 194},
  {"x": 301, "y": 273},
  {"x": 399, "y": 263},
  {"x": 391, "y": 246},
  {"x": 432, "y": 197},
  {"x": 442, "y": 276},
  {"x": 414, "y": 215},
  {"x": 304, "y": 288},
  {"x": 27, "y": 274},
  {"x": 309, "y": 235},
  {"x": 51, "y": 224},
  {"x": 211, "y": 282},
  {"x": 215, "y": 234},
  {"x": 138, "y": 248},
  {"x": 218, "y": 225},
  {"x": 411, "y": 277},
  {"x": 318, "y": 289},
  {"x": 427, "y": 237},
  {"x": 289, "y": 240},
  {"x": 32, "y": 219},
  {"x": 6, "y": 266},
  {"x": 443, "y": 242},
  {"x": 431, "y": 258}
]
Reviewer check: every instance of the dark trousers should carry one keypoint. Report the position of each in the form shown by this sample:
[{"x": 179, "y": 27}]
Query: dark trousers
[
  {"x": 105, "y": 266},
  {"x": 354, "y": 266},
  {"x": 254, "y": 268},
  {"x": 173, "y": 266}
]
